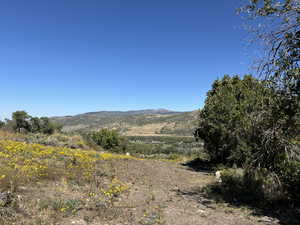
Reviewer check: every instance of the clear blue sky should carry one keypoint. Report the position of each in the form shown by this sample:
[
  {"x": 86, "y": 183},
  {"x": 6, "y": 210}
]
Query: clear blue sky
[{"x": 64, "y": 57}]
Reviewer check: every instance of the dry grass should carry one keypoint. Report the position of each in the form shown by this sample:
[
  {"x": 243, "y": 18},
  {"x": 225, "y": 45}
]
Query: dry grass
[
  {"x": 57, "y": 139},
  {"x": 145, "y": 130}
]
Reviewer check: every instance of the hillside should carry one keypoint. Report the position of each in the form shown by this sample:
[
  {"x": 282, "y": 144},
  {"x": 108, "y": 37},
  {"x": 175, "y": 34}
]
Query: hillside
[
  {"x": 133, "y": 123},
  {"x": 47, "y": 185}
]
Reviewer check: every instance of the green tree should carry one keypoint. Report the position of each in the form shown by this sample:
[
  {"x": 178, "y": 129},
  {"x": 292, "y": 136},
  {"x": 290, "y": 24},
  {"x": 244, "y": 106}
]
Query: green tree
[
  {"x": 35, "y": 124},
  {"x": 21, "y": 121},
  {"x": 227, "y": 120},
  {"x": 247, "y": 123},
  {"x": 278, "y": 27}
]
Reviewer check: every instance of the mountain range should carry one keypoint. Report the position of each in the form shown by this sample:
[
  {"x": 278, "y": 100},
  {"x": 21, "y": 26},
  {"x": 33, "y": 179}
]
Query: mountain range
[{"x": 148, "y": 122}]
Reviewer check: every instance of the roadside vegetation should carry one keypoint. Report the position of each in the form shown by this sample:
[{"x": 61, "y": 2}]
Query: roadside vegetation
[{"x": 251, "y": 126}]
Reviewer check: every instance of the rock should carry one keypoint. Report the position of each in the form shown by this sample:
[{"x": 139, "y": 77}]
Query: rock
[
  {"x": 78, "y": 222},
  {"x": 266, "y": 219},
  {"x": 128, "y": 153},
  {"x": 218, "y": 176},
  {"x": 201, "y": 211}
]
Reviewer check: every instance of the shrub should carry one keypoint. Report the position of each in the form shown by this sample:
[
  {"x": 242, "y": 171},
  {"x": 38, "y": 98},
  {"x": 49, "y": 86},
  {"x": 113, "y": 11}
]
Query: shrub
[
  {"x": 290, "y": 177},
  {"x": 250, "y": 187},
  {"x": 107, "y": 139}
]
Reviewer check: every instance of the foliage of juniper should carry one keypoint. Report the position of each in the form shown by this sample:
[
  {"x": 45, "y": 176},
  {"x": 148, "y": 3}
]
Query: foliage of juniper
[
  {"x": 229, "y": 120},
  {"x": 243, "y": 123}
]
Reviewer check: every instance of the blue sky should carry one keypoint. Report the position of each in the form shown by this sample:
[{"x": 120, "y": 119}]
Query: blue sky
[{"x": 64, "y": 57}]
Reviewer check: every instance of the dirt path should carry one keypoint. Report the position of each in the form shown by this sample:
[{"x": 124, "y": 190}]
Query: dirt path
[
  {"x": 168, "y": 193},
  {"x": 159, "y": 193}
]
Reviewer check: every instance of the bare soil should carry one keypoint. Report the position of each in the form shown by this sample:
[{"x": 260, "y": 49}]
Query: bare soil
[
  {"x": 159, "y": 193},
  {"x": 169, "y": 193}
]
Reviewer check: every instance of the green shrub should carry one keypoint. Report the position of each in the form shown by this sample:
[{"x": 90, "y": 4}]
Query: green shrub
[
  {"x": 290, "y": 177},
  {"x": 251, "y": 187},
  {"x": 107, "y": 139},
  {"x": 164, "y": 145}
]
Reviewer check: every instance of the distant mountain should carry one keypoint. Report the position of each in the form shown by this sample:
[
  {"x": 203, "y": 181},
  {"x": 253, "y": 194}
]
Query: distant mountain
[
  {"x": 131, "y": 112},
  {"x": 146, "y": 122}
]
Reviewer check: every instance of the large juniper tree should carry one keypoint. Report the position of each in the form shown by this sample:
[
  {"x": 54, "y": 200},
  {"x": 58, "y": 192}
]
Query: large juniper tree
[
  {"x": 231, "y": 117},
  {"x": 277, "y": 25}
]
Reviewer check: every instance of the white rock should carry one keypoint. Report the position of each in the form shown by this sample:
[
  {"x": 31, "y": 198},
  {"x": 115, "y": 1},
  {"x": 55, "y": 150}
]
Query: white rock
[
  {"x": 218, "y": 176},
  {"x": 78, "y": 222}
]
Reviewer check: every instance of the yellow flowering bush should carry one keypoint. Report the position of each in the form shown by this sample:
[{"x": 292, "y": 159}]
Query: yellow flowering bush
[
  {"x": 114, "y": 189},
  {"x": 21, "y": 162}
]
